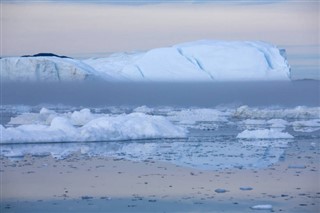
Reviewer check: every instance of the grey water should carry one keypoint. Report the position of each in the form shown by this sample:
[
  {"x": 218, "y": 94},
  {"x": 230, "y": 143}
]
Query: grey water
[{"x": 202, "y": 94}]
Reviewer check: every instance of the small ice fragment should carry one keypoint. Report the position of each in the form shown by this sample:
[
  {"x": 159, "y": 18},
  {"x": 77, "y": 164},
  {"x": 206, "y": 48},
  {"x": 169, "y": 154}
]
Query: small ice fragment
[
  {"x": 262, "y": 207},
  {"x": 246, "y": 188},
  {"x": 220, "y": 190},
  {"x": 264, "y": 134}
]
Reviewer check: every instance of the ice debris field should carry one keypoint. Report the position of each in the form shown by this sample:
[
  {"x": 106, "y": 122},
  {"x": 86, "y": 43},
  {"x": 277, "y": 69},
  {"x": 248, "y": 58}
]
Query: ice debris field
[
  {"x": 193, "y": 137},
  {"x": 205, "y": 60}
]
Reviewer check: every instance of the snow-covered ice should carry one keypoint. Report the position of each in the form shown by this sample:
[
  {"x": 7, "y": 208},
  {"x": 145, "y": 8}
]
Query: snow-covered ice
[
  {"x": 44, "y": 69},
  {"x": 262, "y": 207},
  {"x": 92, "y": 128},
  {"x": 299, "y": 112},
  {"x": 191, "y": 116},
  {"x": 204, "y": 60},
  {"x": 306, "y": 125},
  {"x": 263, "y": 134}
]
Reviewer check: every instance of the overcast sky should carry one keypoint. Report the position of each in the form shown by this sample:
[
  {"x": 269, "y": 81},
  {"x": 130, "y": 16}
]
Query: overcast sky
[{"x": 71, "y": 28}]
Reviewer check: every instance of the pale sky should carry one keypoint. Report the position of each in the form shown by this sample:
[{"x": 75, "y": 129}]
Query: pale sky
[{"x": 89, "y": 28}]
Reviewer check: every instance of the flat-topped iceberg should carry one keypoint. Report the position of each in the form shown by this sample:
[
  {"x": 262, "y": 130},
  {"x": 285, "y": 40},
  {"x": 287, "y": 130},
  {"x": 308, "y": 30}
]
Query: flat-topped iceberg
[
  {"x": 211, "y": 60},
  {"x": 205, "y": 60}
]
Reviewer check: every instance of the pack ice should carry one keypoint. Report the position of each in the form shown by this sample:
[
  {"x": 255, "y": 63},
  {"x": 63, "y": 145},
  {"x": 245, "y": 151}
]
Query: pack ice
[
  {"x": 205, "y": 60},
  {"x": 49, "y": 126}
]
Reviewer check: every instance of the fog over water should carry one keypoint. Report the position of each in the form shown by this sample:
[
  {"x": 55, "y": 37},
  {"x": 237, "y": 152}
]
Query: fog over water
[{"x": 99, "y": 93}]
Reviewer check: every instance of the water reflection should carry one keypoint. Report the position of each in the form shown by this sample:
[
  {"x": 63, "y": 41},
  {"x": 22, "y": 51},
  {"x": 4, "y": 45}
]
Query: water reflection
[{"x": 207, "y": 153}]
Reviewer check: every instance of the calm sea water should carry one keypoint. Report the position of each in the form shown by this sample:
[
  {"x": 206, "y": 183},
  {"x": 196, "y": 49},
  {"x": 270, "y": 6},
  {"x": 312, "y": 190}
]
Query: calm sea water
[{"x": 96, "y": 94}]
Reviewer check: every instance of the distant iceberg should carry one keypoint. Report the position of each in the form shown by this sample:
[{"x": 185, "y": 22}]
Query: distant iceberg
[
  {"x": 205, "y": 60},
  {"x": 44, "y": 68}
]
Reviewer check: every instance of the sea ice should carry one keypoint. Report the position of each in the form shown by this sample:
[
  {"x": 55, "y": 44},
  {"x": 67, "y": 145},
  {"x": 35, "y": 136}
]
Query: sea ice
[
  {"x": 306, "y": 125},
  {"x": 262, "y": 207},
  {"x": 263, "y": 134},
  {"x": 102, "y": 128},
  {"x": 191, "y": 116},
  {"x": 299, "y": 112}
]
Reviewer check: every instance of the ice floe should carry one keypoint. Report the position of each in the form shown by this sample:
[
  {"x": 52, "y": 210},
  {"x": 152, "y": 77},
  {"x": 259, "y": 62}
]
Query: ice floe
[
  {"x": 306, "y": 125},
  {"x": 299, "y": 112},
  {"x": 262, "y": 207},
  {"x": 263, "y": 134},
  {"x": 102, "y": 128},
  {"x": 191, "y": 116}
]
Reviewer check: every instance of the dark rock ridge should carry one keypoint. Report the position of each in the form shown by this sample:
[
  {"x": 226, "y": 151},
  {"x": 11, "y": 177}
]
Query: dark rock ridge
[{"x": 46, "y": 55}]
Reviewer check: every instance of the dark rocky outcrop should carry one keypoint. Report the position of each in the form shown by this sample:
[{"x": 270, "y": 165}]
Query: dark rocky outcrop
[{"x": 46, "y": 55}]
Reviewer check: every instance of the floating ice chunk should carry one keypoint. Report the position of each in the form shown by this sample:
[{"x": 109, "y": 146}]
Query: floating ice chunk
[
  {"x": 143, "y": 109},
  {"x": 263, "y": 134},
  {"x": 32, "y": 118},
  {"x": 46, "y": 111},
  {"x": 277, "y": 123},
  {"x": 191, "y": 116},
  {"x": 306, "y": 125},
  {"x": 132, "y": 126},
  {"x": 81, "y": 117},
  {"x": 262, "y": 207},
  {"x": 64, "y": 125},
  {"x": 119, "y": 127},
  {"x": 299, "y": 112},
  {"x": 203, "y": 126}
]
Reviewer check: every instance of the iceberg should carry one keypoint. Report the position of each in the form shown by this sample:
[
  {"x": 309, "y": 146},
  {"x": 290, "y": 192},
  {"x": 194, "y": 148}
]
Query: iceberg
[
  {"x": 205, "y": 60},
  {"x": 44, "y": 68},
  {"x": 264, "y": 134},
  {"x": 85, "y": 126}
]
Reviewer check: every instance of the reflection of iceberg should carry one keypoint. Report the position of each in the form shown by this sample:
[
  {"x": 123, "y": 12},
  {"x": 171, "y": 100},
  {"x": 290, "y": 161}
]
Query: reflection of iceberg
[{"x": 217, "y": 153}]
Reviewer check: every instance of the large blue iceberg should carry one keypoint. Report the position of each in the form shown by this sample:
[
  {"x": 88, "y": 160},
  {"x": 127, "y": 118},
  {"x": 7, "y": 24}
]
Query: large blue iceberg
[{"x": 205, "y": 60}]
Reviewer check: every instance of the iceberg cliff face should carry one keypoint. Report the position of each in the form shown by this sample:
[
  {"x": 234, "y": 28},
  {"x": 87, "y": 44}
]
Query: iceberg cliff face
[
  {"x": 194, "y": 61},
  {"x": 44, "y": 69}
]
